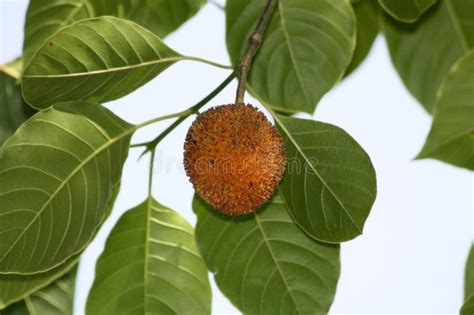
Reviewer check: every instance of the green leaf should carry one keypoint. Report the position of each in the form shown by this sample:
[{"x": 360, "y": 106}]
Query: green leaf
[
  {"x": 264, "y": 264},
  {"x": 13, "y": 110},
  {"x": 16, "y": 287},
  {"x": 160, "y": 16},
  {"x": 407, "y": 11},
  {"x": 306, "y": 50},
  {"x": 99, "y": 59},
  {"x": 366, "y": 12},
  {"x": 468, "y": 307},
  {"x": 469, "y": 275},
  {"x": 150, "y": 265},
  {"x": 55, "y": 299},
  {"x": 58, "y": 174},
  {"x": 45, "y": 17},
  {"x": 422, "y": 59},
  {"x": 330, "y": 183},
  {"x": 451, "y": 138}
]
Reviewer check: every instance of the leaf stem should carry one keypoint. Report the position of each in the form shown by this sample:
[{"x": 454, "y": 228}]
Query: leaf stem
[
  {"x": 128, "y": 67},
  {"x": 209, "y": 62},
  {"x": 158, "y": 119},
  {"x": 150, "y": 178},
  {"x": 255, "y": 41},
  {"x": 151, "y": 145}
]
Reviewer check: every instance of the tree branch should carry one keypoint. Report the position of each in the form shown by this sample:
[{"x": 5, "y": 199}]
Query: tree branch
[{"x": 255, "y": 41}]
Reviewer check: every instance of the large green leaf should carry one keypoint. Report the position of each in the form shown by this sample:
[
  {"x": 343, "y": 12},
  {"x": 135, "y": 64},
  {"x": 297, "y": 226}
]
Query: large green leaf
[
  {"x": 330, "y": 184},
  {"x": 159, "y": 16},
  {"x": 424, "y": 52},
  {"x": 150, "y": 265},
  {"x": 58, "y": 174},
  {"x": 16, "y": 287},
  {"x": 55, "y": 299},
  {"x": 45, "y": 17},
  {"x": 366, "y": 12},
  {"x": 307, "y": 48},
  {"x": 99, "y": 59},
  {"x": 407, "y": 11},
  {"x": 13, "y": 110},
  {"x": 264, "y": 264},
  {"x": 469, "y": 275},
  {"x": 451, "y": 138}
]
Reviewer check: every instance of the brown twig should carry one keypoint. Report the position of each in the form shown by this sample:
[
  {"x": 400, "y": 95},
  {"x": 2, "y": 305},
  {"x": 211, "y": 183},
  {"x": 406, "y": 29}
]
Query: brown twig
[{"x": 255, "y": 41}]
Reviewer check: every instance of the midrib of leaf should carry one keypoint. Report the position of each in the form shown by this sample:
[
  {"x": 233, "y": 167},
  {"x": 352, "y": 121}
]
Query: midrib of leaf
[
  {"x": 124, "y": 68},
  {"x": 457, "y": 26},
  {"x": 149, "y": 240},
  {"x": 147, "y": 243},
  {"x": 114, "y": 69},
  {"x": 270, "y": 250},
  {"x": 94, "y": 155},
  {"x": 291, "y": 52}
]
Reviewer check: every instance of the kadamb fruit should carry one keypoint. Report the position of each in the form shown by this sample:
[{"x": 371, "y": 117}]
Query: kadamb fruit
[{"x": 234, "y": 157}]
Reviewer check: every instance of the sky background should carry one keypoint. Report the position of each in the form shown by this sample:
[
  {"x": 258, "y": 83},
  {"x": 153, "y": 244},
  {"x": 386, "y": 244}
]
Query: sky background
[{"x": 412, "y": 254}]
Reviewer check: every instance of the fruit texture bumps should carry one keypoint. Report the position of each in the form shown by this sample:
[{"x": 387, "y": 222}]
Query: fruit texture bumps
[{"x": 234, "y": 157}]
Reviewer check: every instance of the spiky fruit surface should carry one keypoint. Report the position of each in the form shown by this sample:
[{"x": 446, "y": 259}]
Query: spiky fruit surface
[{"x": 234, "y": 158}]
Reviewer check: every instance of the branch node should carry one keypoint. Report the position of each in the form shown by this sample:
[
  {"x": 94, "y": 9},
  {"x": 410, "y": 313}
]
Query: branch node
[{"x": 255, "y": 41}]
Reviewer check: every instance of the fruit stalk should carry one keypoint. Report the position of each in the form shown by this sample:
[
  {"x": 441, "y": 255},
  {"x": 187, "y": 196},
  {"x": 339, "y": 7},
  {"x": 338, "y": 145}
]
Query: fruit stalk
[{"x": 255, "y": 41}]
